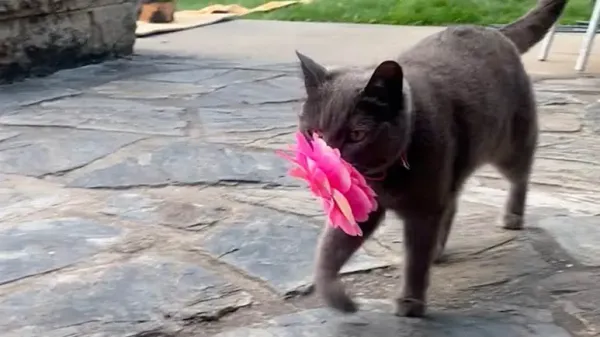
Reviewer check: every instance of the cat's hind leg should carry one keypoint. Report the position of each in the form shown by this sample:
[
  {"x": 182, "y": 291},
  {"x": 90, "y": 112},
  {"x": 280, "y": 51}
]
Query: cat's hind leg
[
  {"x": 334, "y": 250},
  {"x": 445, "y": 229},
  {"x": 517, "y": 169}
]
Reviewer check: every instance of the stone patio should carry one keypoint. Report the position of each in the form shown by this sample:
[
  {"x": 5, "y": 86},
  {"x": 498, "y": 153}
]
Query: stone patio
[{"x": 142, "y": 197}]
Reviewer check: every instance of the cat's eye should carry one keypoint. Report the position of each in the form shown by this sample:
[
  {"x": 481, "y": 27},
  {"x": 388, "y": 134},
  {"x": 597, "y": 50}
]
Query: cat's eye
[{"x": 357, "y": 135}]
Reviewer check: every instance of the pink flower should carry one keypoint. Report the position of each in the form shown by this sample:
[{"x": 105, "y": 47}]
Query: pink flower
[{"x": 344, "y": 193}]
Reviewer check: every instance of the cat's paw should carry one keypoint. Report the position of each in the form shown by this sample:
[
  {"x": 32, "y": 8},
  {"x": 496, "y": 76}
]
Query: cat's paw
[
  {"x": 440, "y": 258},
  {"x": 440, "y": 255},
  {"x": 410, "y": 307},
  {"x": 513, "y": 222},
  {"x": 334, "y": 295}
]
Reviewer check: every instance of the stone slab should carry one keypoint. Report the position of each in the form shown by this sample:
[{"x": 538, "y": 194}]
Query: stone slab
[
  {"x": 276, "y": 248},
  {"x": 576, "y": 294},
  {"x": 30, "y": 93},
  {"x": 132, "y": 89},
  {"x": 17, "y": 203},
  {"x": 560, "y": 120},
  {"x": 147, "y": 210},
  {"x": 44, "y": 152},
  {"x": 582, "y": 85},
  {"x": 578, "y": 236},
  {"x": 376, "y": 320},
  {"x": 40, "y": 246},
  {"x": 593, "y": 115},
  {"x": 297, "y": 201},
  {"x": 229, "y": 121},
  {"x": 547, "y": 98},
  {"x": 265, "y": 126},
  {"x": 135, "y": 297},
  {"x": 211, "y": 77},
  {"x": 281, "y": 89},
  {"x": 570, "y": 150},
  {"x": 94, "y": 75},
  {"x": 102, "y": 114},
  {"x": 188, "y": 162}
]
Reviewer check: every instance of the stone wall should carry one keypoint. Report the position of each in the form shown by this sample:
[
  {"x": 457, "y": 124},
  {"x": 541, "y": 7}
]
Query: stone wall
[{"x": 38, "y": 37}]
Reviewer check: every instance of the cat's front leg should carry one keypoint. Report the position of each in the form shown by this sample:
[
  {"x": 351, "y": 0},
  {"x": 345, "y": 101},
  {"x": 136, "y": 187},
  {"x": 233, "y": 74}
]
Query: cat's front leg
[
  {"x": 421, "y": 233},
  {"x": 334, "y": 250}
]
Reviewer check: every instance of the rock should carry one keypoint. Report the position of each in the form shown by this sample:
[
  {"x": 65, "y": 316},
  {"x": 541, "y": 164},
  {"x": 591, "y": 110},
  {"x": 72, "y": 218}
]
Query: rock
[
  {"x": 377, "y": 320},
  {"x": 41, "y": 246},
  {"x": 41, "y": 36},
  {"x": 25, "y": 8},
  {"x": 143, "y": 295},
  {"x": 45, "y": 152},
  {"x": 187, "y": 216},
  {"x": 188, "y": 162},
  {"x": 276, "y": 248},
  {"x": 578, "y": 236},
  {"x": 102, "y": 114}
]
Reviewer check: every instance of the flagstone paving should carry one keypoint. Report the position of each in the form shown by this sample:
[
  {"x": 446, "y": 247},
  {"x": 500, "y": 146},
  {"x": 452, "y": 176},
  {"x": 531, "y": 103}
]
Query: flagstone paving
[{"x": 142, "y": 197}]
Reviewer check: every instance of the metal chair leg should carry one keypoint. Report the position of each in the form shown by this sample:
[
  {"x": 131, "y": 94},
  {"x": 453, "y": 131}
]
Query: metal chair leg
[
  {"x": 588, "y": 40},
  {"x": 546, "y": 44}
]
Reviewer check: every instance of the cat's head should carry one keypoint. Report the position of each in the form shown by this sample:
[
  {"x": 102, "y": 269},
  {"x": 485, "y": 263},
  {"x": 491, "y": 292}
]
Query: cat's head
[{"x": 366, "y": 115}]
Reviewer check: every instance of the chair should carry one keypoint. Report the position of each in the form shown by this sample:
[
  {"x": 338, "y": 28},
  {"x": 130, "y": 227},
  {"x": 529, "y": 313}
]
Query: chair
[{"x": 586, "y": 45}]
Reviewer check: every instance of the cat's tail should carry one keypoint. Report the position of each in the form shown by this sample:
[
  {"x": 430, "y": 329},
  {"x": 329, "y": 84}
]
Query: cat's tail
[{"x": 533, "y": 26}]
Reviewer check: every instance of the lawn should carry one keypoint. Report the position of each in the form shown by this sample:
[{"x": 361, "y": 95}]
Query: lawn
[{"x": 403, "y": 12}]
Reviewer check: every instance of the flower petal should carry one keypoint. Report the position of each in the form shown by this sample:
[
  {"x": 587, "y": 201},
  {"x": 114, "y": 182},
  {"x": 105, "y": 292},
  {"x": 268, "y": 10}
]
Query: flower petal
[
  {"x": 320, "y": 181},
  {"x": 338, "y": 220},
  {"x": 343, "y": 204},
  {"x": 330, "y": 161},
  {"x": 298, "y": 172},
  {"x": 359, "y": 202}
]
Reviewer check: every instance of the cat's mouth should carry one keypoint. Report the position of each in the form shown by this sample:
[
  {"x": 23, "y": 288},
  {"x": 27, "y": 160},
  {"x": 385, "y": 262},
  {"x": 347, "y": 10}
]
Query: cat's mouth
[
  {"x": 373, "y": 173},
  {"x": 379, "y": 172}
]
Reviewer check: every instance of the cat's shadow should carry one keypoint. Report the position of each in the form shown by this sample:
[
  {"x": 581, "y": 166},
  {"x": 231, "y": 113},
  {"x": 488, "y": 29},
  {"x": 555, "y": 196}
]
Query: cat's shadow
[{"x": 375, "y": 320}]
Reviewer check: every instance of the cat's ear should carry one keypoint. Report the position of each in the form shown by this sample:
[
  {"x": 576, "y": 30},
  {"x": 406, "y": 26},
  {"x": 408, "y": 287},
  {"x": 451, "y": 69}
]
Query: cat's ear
[
  {"x": 386, "y": 85},
  {"x": 314, "y": 74}
]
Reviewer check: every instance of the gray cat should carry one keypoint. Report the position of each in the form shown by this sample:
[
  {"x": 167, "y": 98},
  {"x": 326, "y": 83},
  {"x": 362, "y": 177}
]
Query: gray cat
[{"x": 457, "y": 100}]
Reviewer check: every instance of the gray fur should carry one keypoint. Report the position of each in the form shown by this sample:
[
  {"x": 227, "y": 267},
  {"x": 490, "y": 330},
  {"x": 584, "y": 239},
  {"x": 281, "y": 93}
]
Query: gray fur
[{"x": 457, "y": 100}]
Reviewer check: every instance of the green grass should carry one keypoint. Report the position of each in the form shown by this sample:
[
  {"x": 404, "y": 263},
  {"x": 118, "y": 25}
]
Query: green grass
[{"x": 403, "y": 12}]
